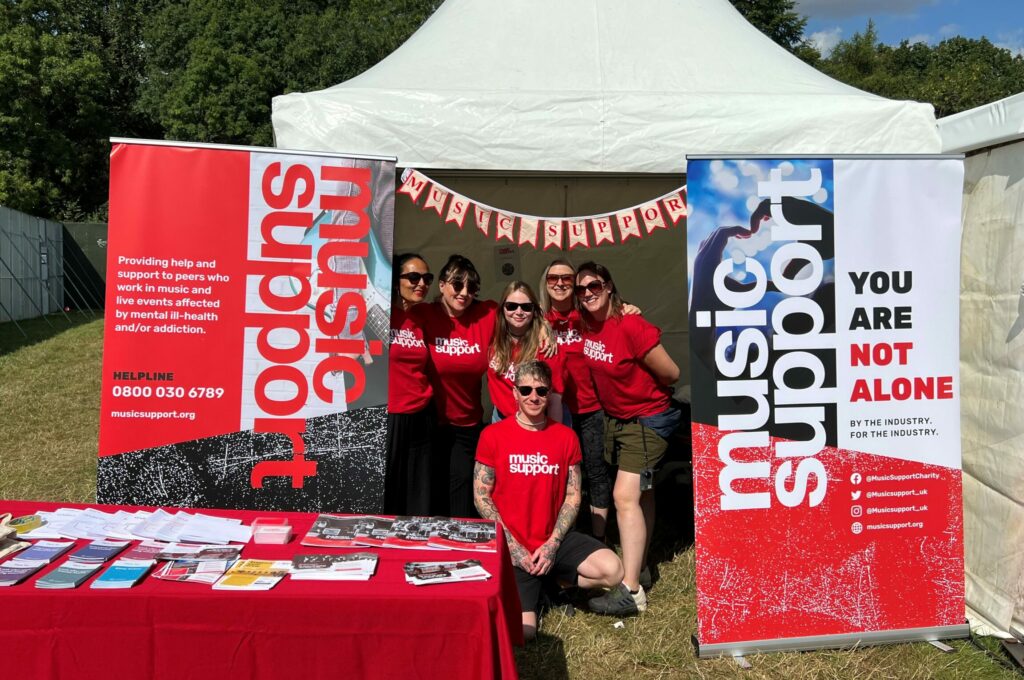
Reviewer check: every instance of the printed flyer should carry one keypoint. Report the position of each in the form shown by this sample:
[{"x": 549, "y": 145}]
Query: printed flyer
[
  {"x": 249, "y": 292},
  {"x": 824, "y": 322}
]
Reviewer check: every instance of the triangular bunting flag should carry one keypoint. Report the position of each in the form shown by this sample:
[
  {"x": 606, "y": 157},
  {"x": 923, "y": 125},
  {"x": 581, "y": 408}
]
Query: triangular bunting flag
[
  {"x": 552, "y": 234},
  {"x": 628, "y": 225},
  {"x": 414, "y": 185},
  {"x": 457, "y": 210},
  {"x": 503, "y": 227},
  {"x": 483, "y": 218},
  {"x": 578, "y": 234},
  {"x": 528, "y": 231},
  {"x": 653, "y": 219},
  {"x": 676, "y": 206},
  {"x": 435, "y": 199},
  {"x": 603, "y": 230}
]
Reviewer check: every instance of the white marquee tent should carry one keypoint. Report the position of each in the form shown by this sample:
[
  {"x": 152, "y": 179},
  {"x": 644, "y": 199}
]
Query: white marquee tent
[
  {"x": 992, "y": 357},
  {"x": 581, "y": 107},
  {"x": 594, "y": 86}
]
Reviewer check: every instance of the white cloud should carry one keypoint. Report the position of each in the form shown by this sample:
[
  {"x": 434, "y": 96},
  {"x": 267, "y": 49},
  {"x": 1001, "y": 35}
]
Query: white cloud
[
  {"x": 949, "y": 30},
  {"x": 826, "y": 41},
  {"x": 841, "y": 9},
  {"x": 920, "y": 38},
  {"x": 1013, "y": 41}
]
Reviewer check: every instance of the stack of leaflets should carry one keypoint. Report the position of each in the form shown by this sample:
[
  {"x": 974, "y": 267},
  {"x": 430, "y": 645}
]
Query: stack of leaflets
[
  {"x": 411, "y": 532},
  {"x": 98, "y": 552},
  {"x": 68, "y": 575},
  {"x": 16, "y": 570},
  {"x": 124, "y": 573},
  {"x": 94, "y": 524},
  {"x": 331, "y": 531},
  {"x": 186, "y": 551},
  {"x": 253, "y": 575},
  {"x": 429, "y": 573},
  {"x": 193, "y": 571},
  {"x": 464, "y": 534},
  {"x": 353, "y": 567},
  {"x": 146, "y": 551},
  {"x": 45, "y": 551}
]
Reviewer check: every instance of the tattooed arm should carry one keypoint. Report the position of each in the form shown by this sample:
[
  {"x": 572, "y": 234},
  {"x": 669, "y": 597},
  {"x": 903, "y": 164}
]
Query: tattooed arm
[
  {"x": 544, "y": 556},
  {"x": 483, "y": 486}
]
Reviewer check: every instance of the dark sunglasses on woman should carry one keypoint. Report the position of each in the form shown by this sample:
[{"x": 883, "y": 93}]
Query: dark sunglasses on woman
[
  {"x": 415, "y": 277},
  {"x": 594, "y": 287},
  {"x": 471, "y": 288},
  {"x": 525, "y": 306},
  {"x": 527, "y": 390},
  {"x": 555, "y": 279}
]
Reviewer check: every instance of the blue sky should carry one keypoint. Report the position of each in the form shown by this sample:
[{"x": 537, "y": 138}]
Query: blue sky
[{"x": 930, "y": 21}]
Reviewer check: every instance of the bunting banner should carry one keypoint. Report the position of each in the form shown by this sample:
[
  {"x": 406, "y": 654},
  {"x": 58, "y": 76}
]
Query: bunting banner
[
  {"x": 824, "y": 337},
  {"x": 538, "y": 231}
]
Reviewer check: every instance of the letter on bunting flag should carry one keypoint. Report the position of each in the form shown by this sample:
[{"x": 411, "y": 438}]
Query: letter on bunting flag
[
  {"x": 413, "y": 185},
  {"x": 628, "y": 225},
  {"x": 503, "y": 227},
  {"x": 528, "y": 231},
  {"x": 578, "y": 234},
  {"x": 602, "y": 230},
  {"x": 435, "y": 199},
  {"x": 676, "y": 206},
  {"x": 653, "y": 219},
  {"x": 552, "y": 234},
  {"x": 457, "y": 210},
  {"x": 483, "y": 218}
]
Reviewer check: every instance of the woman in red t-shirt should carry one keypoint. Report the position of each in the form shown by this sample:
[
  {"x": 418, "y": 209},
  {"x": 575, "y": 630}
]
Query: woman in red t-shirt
[
  {"x": 632, "y": 373},
  {"x": 457, "y": 330},
  {"x": 412, "y": 418},
  {"x": 519, "y": 336},
  {"x": 558, "y": 302}
]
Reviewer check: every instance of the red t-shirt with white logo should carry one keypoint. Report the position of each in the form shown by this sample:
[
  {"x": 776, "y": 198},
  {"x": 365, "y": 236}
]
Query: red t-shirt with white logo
[
  {"x": 458, "y": 357},
  {"x": 409, "y": 387},
  {"x": 530, "y": 472},
  {"x": 499, "y": 387},
  {"x": 579, "y": 394},
  {"x": 615, "y": 352}
]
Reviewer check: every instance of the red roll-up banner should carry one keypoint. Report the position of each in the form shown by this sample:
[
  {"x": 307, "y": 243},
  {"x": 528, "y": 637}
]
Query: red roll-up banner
[
  {"x": 824, "y": 322},
  {"x": 245, "y": 362}
]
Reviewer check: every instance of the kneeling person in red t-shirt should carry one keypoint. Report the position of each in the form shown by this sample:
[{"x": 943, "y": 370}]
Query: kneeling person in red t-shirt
[{"x": 527, "y": 477}]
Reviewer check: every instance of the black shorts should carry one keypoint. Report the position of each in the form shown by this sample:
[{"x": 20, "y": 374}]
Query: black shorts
[{"x": 573, "y": 552}]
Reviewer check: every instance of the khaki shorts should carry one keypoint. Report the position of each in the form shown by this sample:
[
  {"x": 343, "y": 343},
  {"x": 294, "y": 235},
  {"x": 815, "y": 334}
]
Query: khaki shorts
[{"x": 631, "y": 446}]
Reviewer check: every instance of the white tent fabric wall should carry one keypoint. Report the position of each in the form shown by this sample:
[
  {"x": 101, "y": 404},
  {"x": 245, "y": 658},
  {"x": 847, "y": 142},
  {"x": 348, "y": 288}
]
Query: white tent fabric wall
[
  {"x": 594, "y": 86},
  {"x": 992, "y": 359}
]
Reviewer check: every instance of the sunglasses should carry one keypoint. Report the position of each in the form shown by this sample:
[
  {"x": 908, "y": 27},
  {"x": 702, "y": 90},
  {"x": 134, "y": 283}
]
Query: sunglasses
[
  {"x": 595, "y": 287},
  {"x": 471, "y": 288},
  {"x": 525, "y": 306},
  {"x": 415, "y": 277},
  {"x": 555, "y": 279},
  {"x": 527, "y": 390}
]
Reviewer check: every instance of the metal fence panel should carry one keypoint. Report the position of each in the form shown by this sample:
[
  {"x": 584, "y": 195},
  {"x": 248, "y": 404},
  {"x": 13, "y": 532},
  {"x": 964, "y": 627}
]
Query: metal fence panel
[{"x": 31, "y": 266}]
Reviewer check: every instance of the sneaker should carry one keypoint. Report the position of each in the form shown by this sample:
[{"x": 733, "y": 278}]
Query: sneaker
[{"x": 619, "y": 602}]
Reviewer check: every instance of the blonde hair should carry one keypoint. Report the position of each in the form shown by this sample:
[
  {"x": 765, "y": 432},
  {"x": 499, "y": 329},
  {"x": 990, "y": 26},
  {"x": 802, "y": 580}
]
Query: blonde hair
[
  {"x": 545, "y": 299},
  {"x": 529, "y": 344}
]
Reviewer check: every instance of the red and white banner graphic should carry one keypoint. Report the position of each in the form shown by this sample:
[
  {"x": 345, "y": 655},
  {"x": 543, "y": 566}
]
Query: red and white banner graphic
[
  {"x": 247, "y": 290},
  {"x": 824, "y": 323},
  {"x": 555, "y": 232}
]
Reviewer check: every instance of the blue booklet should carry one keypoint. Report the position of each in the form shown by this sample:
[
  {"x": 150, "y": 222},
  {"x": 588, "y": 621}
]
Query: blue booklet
[
  {"x": 98, "y": 552},
  {"x": 46, "y": 551},
  {"x": 68, "y": 575},
  {"x": 123, "y": 574}
]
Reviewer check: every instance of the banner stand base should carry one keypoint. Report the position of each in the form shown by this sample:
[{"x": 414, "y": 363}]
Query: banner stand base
[{"x": 846, "y": 640}]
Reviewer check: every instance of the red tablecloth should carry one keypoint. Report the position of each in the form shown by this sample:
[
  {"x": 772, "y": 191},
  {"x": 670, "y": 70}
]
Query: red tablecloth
[{"x": 382, "y": 628}]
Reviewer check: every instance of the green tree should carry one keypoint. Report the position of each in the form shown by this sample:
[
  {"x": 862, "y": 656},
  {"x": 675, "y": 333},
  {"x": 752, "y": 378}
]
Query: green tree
[
  {"x": 779, "y": 20},
  {"x": 213, "y": 67},
  {"x": 955, "y": 75}
]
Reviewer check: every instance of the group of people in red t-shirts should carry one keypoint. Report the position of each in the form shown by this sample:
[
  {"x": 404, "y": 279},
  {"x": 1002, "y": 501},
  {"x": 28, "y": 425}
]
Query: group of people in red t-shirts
[{"x": 602, "y": 371}]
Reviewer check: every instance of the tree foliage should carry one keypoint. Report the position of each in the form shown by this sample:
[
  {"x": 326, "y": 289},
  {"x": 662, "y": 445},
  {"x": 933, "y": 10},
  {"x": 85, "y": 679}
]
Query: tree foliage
[
  {"x": 779, "y": 20},
  {"x": 955, "y": 75}
]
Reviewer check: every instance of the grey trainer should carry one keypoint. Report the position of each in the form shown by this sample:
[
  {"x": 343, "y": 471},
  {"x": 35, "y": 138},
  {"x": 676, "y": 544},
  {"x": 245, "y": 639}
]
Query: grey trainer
[{"x": 619, "y": 602}]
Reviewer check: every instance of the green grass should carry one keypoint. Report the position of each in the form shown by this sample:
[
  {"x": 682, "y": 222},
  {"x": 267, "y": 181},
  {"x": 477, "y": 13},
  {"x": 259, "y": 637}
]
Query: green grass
[{"x": 49, "y": 401}]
